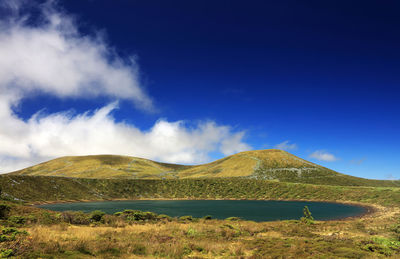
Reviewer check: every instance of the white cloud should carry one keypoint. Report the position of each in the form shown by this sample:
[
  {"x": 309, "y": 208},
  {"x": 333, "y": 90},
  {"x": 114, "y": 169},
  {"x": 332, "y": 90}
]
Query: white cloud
[
  {"x": 61, "y": 134},
  {"x": 285, "y": 145},
  {"x": 234, "y": 144},
  {"x": 323, "y": 156},
  {"x": 53, "y": 58}
]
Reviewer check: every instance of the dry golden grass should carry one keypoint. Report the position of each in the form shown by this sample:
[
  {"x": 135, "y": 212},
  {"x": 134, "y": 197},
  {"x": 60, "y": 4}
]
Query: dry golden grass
[
  {"x": 215, "y": 239},
  {"x": 165, "y": 240}
]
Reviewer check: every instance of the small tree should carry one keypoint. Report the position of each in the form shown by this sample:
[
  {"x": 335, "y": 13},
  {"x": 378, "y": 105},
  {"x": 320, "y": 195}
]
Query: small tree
[{"x": 307, "y": 215}]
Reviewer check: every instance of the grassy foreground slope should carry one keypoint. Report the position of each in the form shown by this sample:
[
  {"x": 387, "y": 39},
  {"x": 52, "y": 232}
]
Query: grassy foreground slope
[
  {"x": 44, "y": 188},
  {"x": 269, "y": 164}
]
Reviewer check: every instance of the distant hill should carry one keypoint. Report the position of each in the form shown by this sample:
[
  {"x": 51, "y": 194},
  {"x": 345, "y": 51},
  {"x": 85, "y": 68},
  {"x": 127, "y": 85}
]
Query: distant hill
[{"x": 269, "y": 164}]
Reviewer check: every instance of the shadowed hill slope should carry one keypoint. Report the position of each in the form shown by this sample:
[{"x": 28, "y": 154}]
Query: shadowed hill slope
[{"x": 269, "y": 164}]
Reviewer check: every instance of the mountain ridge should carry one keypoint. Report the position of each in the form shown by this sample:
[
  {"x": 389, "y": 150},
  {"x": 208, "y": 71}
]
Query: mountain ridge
[{"x": 270, "y": 164}]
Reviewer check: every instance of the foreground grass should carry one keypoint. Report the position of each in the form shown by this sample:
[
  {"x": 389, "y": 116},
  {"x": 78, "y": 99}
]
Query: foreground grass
[
  {"x": 48, "y": 235},
  {"x": 29, "y": 232}
]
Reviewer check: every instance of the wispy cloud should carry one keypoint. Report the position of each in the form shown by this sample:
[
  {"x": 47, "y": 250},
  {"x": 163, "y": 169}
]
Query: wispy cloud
[
  {"x": 391, "y": 177},
  {"x": 357, "y": 161},
  {"x": 285, "y": 145},
  {"x": 52, "y": 57},
  {"x": 322, "y": 155}
]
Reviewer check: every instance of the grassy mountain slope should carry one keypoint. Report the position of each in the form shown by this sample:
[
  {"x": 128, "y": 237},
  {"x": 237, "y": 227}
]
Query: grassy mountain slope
[
  {"x": 269, "y": 164},
  {"x": 45, "y": 188}
]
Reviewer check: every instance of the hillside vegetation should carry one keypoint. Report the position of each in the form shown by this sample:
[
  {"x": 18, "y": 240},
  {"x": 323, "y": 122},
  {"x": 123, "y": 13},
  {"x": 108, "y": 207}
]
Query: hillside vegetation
[
  {"x": 270, "y": 164},
  {"x": 45, "y": 188}
]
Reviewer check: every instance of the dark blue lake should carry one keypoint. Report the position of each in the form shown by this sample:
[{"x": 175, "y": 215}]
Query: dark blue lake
[{"x": 255, "y": 210}]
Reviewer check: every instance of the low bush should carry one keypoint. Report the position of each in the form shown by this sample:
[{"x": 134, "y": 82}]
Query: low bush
[
  {"x": 49, "y": 218},
  {"x": 136, "y": 215},
  {"x": 191, "y": 232},
  {"x": 76, "y": 218},
  {"x": 97, "y": 215},
  {"x": 5, "y": 253},
  {"x": 139, "y": 249},
  {"x": 164, "y": 217},
  {"x": 186, "y": 218},
  {"x": 4, "y": 211},
  {"x": 17, "y": 220},
  {"x": 9, "y": 234},
  {"x": 381, "y": 245},
  {"x": 233, "y": 219}
]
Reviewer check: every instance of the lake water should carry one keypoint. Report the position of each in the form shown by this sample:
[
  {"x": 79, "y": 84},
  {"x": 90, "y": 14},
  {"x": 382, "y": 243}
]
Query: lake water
[{"x": 220, "y": 209}]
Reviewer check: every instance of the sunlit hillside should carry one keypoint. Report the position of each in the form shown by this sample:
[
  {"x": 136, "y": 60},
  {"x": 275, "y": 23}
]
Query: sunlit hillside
[{"x": 269, "y": 164}]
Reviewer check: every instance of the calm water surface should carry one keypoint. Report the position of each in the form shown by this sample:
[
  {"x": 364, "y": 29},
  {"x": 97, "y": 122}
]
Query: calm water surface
[{"x": 220, "y": 209}]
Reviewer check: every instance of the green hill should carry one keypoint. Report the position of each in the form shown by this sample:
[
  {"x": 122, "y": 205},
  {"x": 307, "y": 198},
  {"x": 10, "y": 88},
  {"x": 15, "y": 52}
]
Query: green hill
[{"x": 269, "y": 164}]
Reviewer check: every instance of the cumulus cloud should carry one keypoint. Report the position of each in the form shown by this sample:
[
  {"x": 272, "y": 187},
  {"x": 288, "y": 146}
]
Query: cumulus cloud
[
  {"x": 285, "y": 145},
  {"x": 53, "y": 58},
  {"x": 323, "y": 156},
  {"x": 60, "y": 134}
]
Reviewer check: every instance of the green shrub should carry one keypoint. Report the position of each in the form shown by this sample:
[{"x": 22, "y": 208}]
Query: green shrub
[
  {"x": 233, "y": 218},
  {"x": 137, "y": 215},
  {"x": 186, "y": 218},
  {"x": 4, "y": 210},
  {"x": 9, "y": 231},
  {"x": 114, "y": 251},
  {"x": 139, "y": 249},
  {"x": 9, "y": 234},
  {"x": 164, "y": 217},
  {"x": 191, "y": 232},
  {"x": 208, "y": 217},
  {"x": 307, "y": 218},
  {"x": 31, "y": 219},
  {"x": 97, "y": 215},
  {"x": 76, "y": 218},
  {"x": 48, "y": 218},
  {"x": 381, "y": 245},
  {"x": 148, "y": 215},
  {"x": 5, "y": 253},
  {"x": 17, "y": 220}
]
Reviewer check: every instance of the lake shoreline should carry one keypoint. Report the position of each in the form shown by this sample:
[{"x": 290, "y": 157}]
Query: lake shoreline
[{"x": 370, "y": 209}]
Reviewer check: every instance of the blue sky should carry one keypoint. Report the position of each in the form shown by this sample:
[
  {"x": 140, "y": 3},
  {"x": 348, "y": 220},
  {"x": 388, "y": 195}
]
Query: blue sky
[{"x": 205, "y": 79}]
